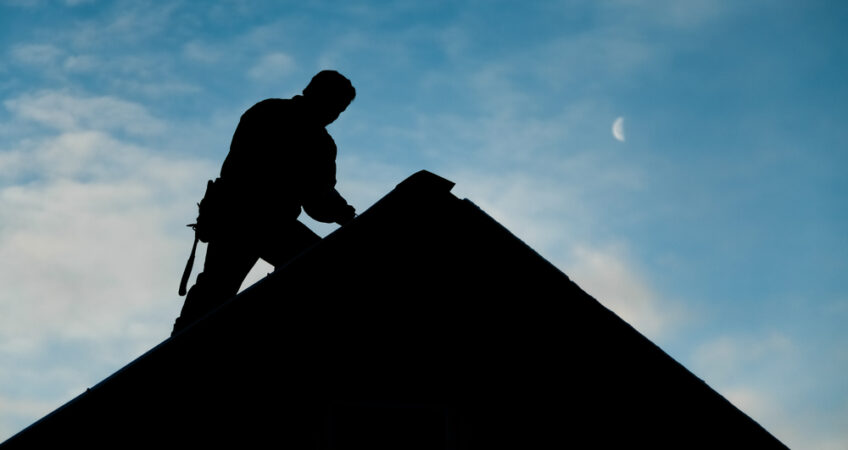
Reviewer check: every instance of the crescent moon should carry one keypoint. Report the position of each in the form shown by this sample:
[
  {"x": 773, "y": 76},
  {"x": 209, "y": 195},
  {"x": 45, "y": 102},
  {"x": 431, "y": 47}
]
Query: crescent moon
[{"x": 618, "y": 129}]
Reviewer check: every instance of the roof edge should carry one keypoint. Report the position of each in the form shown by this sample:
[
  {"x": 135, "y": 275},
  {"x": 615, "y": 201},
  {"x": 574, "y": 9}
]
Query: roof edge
[{"x": 424, "y": 180}]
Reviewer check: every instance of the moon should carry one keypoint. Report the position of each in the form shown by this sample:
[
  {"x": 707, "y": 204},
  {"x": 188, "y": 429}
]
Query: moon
[{"x": 618, "y": 129}]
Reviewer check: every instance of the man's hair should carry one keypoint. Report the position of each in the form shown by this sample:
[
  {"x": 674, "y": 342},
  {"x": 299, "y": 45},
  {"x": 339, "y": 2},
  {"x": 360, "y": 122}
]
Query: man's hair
[{"x": 330, "y": 84}]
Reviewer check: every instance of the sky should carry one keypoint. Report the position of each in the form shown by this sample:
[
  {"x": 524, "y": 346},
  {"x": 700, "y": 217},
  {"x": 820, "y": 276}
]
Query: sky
[{"x": 683, "y": 162}]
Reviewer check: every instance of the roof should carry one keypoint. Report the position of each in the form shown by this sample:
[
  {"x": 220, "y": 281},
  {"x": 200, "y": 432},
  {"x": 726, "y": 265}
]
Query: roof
[{"x": 423, "y": 323}]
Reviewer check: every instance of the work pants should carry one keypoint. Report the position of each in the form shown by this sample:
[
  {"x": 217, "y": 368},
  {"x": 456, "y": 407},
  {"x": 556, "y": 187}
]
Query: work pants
[{"x": 230, "y": 258}]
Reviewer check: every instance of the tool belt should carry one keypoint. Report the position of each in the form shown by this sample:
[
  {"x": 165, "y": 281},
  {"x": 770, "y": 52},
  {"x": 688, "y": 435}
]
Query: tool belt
[{"x": 207, "y": 225}]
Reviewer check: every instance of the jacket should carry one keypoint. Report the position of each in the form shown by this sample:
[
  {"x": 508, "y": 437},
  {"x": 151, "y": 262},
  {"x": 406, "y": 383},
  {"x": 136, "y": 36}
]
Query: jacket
[{"x": 279, "y": 162}]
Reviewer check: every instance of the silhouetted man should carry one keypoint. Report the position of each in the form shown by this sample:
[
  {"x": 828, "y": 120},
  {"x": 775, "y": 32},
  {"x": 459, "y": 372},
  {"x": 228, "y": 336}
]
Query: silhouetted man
[{"x": 281, "y": 159}]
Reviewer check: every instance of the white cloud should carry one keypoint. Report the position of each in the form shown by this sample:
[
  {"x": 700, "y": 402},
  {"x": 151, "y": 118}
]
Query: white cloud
[
  {"x": 22, "y": 3},
  {"x": 35, "y": 3},
  {"x": 346, "y": 46},
  {"x": 81, "y": 63},
  {"x": 272, "y": 67},
  {"x": 137, "y": 20},
  {"x": 92, "y": 244},
  {"x": 723, "y": 357},
  {"x": 608, "y": 275},
  {"x": 542, "y": 222},
  {"x": 201, "y": 52},
  {"x": 36, "y": 54},
  {"x": 553, "y": 217},
  {"x": 695, "y": 13},
  {"x": 16, "y": 413},
  {"x": 67, "y": 112},
  {"x": 753, "y": 402},
  {"x": 158, "y": 89},
  {"x": 455, "y": 41},
  {"x": 803, "y": 428},
  {"x": 117, "y": 25},
  {"x": 765, "y": 376}
]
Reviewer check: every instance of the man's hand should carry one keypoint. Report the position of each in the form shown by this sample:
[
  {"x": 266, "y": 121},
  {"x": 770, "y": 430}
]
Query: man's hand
[{"x": 347, "y": 214}]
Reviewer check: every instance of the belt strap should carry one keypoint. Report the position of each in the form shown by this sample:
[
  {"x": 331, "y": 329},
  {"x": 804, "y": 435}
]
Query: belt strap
[{"x": 189, "y": 265}]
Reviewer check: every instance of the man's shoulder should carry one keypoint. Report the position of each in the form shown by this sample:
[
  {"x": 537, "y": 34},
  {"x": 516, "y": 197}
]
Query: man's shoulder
[{"x": 270, "y": 105}]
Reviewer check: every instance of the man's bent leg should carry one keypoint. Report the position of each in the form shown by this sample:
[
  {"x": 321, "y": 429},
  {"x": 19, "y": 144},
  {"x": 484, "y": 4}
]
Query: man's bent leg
[
  {"x": 289, "y": 242},
  {"x": 227, "y": 264}
]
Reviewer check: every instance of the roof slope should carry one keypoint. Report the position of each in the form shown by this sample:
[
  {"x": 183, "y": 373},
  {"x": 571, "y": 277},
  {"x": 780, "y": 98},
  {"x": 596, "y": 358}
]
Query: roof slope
[{"x": 421, "y": 324}]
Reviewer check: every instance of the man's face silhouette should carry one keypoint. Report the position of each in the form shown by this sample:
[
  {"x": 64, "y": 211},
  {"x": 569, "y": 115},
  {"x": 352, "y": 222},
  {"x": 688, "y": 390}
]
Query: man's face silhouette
[{"x": 327, "y": 110}]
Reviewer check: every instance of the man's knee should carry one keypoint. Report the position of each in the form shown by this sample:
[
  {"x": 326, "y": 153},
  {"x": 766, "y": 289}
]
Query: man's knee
[{"x": 301, "y": 233}]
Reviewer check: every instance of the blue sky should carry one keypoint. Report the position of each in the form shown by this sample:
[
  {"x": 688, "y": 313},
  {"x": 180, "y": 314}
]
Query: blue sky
[{"x": 715, "y": 222}]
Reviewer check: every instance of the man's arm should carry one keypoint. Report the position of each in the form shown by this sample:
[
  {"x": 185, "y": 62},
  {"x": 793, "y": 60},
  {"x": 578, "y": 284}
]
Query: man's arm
[
  {"x": 330, "y": 207},
  {"x": 322, "y": 201}
]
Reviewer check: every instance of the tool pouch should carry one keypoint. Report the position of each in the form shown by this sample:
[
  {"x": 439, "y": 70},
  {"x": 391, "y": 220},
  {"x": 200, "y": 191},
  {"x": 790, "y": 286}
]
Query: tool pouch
[{"x": 209, "y": 220}]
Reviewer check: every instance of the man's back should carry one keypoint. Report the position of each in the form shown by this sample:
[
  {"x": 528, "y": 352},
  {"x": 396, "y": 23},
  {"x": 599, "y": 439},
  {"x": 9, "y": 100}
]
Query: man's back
[{"x": 278, "y": 158}]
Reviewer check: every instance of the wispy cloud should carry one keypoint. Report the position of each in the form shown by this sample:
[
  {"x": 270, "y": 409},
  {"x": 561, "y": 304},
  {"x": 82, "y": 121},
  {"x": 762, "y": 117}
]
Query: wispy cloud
[
  {"x": 81, "y": 63},
  {"x": 760, "y": 374},
  {"x": 692, "y": 14},
  {"x": 67, "y": 112},
  {"x": 202, "y": 52},
  {"x": 16, "y": 411},
  {"x": 272, "y": 67},
  {"x": 608, "y": 275},
  {"x": 128, "y": 23},
  {"x": 725, "y": 356},
  {"x": 554, "y": 218},
  {"x": 36, "y": 54},
  {"x": 89, "y": 261},
  {"x": 22, "y": 3}
]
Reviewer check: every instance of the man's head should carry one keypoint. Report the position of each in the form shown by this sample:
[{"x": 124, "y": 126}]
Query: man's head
[{"x": 329, "y": 93}]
